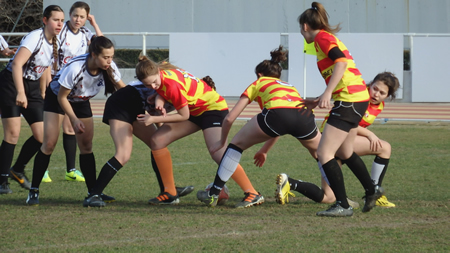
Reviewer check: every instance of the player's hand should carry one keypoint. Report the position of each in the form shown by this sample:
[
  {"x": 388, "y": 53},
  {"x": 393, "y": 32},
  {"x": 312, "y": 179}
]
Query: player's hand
[
  {"x": 91, "y": 19},
  {"x": 260, "y": 158},
  {"x": 325, "y": 101},
  {"x": 146, "y": 119},
  {"x": 308, "y": 105},
  {"x": 162, "y": 110},
  {"x": 8, "y": 52},
  {"x": 78, "y": 126},
  {"x": 21, "y": 100},
  {"x": 375, "y": 143}
]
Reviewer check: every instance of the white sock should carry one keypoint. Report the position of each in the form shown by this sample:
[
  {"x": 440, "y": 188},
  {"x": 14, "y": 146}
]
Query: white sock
[
  {"x": 376, "y": 171},
  {"x": 229, "y": 164}
]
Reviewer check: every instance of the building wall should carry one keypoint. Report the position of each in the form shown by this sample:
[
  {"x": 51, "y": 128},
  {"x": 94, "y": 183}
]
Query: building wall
[{"x": 355, "y": 16}]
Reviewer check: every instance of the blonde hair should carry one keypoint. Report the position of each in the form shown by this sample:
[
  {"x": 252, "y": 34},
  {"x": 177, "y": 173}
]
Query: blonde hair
[{"x": 147, "y": 67}]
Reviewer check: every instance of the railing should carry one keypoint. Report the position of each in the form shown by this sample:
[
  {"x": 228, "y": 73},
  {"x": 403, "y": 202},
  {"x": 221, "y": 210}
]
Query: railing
[{"x": 143, "y": 34}]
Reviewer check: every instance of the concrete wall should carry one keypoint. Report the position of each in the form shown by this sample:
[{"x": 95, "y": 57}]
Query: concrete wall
[{"x": 355, "y": 16}]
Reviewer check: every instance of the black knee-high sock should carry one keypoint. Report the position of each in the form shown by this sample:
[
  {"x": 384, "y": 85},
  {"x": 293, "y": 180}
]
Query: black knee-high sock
[
  {"x": 227, "y": 167},
  {"x": 378, "y": 161},
  {"x": 108, "y": 171},
  {"x": 70, "y": 148},
  {"x": 29, "y": 149},
  {"x": 6, "y": 157},
  {"x": 336, "y": 179},
  {"x": 158, "y": 176},
  {"x": 310, "y": 190},
  {"x": 41, "y": 162},
  {"x": 357, "y": 166},
  {"x": 87, "y": 167}
]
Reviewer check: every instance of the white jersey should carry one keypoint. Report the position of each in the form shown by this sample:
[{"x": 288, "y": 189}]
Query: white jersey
[
  {"x": 3, "y": 43},
  {"x": 76, "y": 77},
  {"x": 41, "y": 55},
  {"x": 71, "y": 44}
]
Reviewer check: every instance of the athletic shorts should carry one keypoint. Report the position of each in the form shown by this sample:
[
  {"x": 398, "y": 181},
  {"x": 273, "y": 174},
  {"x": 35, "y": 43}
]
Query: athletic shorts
[
  {"x": 277, "y": 122},
  {"x": 347, "y": 115},
  {"x": 81, "y": 109},
  {"x": 209, "y": 119},
  {"x": 124, "y": 105},
  {"x": 8, "y": 94}
]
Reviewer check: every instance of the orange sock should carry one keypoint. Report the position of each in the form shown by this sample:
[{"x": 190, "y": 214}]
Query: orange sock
[
  {"x": 164, "y": 162},
  {"x": 242, "y": 180}
]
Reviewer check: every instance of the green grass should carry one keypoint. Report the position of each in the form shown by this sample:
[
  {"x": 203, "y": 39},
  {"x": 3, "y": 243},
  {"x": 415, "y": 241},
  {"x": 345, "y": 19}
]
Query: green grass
[{"x": 417, "y": 181}]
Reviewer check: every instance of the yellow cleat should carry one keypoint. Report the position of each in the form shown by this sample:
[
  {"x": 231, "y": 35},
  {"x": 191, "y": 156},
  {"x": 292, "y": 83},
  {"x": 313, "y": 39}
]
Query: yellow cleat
[
  {"x": 46, "y": 178},
  {"x": 283, "y": 189},
  {"x": 383, "y": 202},
  {"x": 75, "y": 175}
]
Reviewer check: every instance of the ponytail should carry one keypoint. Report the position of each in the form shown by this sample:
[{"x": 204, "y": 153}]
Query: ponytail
[
  {"x": 208, "y": 80},
  {"x": 272, "y": 67},
  {"x": 317, "y": 18},
  {"x": 55, "y": 54}
]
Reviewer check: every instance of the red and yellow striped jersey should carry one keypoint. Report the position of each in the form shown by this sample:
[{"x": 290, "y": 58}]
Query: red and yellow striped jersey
[
  {"x": 369, "y": 116},
  {"x": 181, "y": 88},
  {"x": 351, "y": 87},
  {"x": 270, "y": 92}
]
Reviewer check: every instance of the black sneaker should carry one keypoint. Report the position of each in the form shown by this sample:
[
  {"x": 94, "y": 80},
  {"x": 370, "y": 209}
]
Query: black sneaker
[
  {"x": 20, "y": 178},
  {"x": 4, "y": 188},
  {"x": 371, "y": 200},
  {"x": 164, "y": 198},
  {"x": 106, "y": 198},
  {"x": 33, "y": 198},
  {"x": 93, "y": 201},
  {"x": 183, "y": 191}
]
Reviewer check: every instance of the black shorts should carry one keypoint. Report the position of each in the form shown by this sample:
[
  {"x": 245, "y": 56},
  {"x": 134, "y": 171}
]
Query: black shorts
[
  {"x": 277, "y": 122},
  {"x": 124, "y": 105},
  {"x": 347, "y": 115},
  {"x": 32, "y": 114},
  {"x": 8, "y": 94},
  {"x": 209, "y": 119},
  {"x": 81, "y": 109},
  {"x": 8, "y": 91}
]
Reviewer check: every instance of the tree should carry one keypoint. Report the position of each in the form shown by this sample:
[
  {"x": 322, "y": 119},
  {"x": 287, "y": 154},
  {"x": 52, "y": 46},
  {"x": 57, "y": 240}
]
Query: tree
[{"x": 30, "y": 19}]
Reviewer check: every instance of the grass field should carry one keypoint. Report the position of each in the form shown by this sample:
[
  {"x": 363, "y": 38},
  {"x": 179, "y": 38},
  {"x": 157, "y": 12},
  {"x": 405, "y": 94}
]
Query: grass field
[{"x": 417, "y": 182}]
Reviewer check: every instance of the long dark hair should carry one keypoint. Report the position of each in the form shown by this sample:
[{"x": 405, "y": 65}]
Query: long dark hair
[
  {"x": 390, "y": 80},
  {"x": 97, "y": 45},
  {"x": 317, "y": 18}
]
